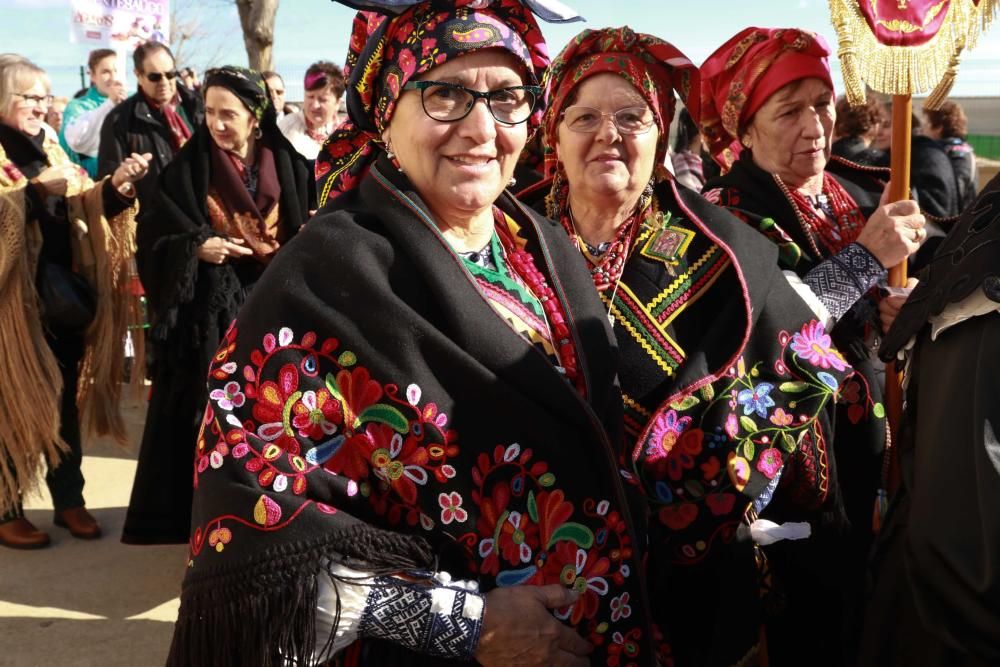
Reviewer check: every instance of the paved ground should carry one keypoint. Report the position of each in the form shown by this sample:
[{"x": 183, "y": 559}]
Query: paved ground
[{"x": 84, "y": 604}]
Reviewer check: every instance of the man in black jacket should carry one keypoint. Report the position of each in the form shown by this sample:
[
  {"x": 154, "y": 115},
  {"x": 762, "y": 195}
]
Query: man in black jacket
[{"x": 158, "y": 119}]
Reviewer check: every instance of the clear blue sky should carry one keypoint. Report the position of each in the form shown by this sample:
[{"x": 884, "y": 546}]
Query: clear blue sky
[{"x": 309, "y": 30}]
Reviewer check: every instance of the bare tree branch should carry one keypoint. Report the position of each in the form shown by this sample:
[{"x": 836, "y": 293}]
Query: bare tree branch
[{"x": 257, "y": 21}]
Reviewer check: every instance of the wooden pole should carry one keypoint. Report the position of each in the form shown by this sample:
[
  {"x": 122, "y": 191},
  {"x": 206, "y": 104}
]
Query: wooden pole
[{"x": 902, "y": 127}]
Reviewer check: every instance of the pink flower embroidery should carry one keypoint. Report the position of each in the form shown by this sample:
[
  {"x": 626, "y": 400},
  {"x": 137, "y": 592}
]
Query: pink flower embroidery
[
  {"x": 451, "y": 508},
  {"x": 229, "y": 397},
  {"x": 620, "y": 608},
  {"x": 769, "y": 463},
  {"x": 667, "y": 428},
  {"x": 814, "y": 345}
]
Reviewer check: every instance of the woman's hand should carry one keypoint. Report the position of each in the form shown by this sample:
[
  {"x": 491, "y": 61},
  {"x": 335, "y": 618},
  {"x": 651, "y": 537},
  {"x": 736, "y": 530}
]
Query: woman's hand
[
  {"x": 217, "y": 249},
  {"x": 889, "y": 307},
  {"x": 132, "y": 169},
  {"x": 520, "y": 630},
  {"x": 54, "y": 181},
  {"x": 894, "y": 231}
]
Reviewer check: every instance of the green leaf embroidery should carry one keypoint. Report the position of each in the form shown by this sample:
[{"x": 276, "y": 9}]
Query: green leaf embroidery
[
  {"x": 686, "y": 403},
  {"x": 573, "y": 532},
  {"x": 548, "y": 479},
  {"x": 708, "y": 392},
  {"x": 748, "y": 424},
  {"x": 878, "y": 411},
  {"x": 786, "y": 442},
  {"x": 532, "y": 507},
  {"x": 793, "y": 387},
  {"x": 385, "y": 414},
  {"x": 749, "y": 450},
  {"x": 347, "y": 359},
  {"x": 695, "y": 488}
]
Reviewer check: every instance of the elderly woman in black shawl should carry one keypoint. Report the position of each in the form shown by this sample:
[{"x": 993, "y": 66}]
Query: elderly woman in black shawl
[
  {"x": 233, "y": 195},
  {"x": 404, "y": 460},
  {"x": 727, "y": 376}
]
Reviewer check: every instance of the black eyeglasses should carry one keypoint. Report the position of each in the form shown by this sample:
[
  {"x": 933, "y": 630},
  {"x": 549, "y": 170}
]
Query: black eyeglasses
[
  {"x": 630, "y": 120},
  {"x": 156, "y": 77},
  {"x": 36, "y": 100},
  {"x": 450, "y": 102}
]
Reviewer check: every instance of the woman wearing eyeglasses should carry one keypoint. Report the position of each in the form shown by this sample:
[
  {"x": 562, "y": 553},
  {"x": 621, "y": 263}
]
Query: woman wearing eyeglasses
[
  {"x": 65, "y": 251},
  {"x": 404, "y": 458},
  {"x": 308, "y": 127},
  {"x": 726, "y": 375},
  {"x": 231, "y": 198}
]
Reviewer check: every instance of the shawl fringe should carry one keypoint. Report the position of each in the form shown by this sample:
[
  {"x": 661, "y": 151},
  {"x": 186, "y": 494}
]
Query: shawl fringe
[
  {"x": 265, "y": 614},
  {"x": 106, "y": 260},
  {"x": 904, "y": 70},
  {"x": 31, "y": 383}
]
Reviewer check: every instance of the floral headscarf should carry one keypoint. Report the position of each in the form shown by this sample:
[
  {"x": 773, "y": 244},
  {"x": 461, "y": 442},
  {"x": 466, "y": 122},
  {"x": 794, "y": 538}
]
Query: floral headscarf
[
  {"x": 654, "y": 67},
  {"x": 246, "y": 84},
  {"x": 744, "y": 72},
  {"x": 388, "y": 51}
]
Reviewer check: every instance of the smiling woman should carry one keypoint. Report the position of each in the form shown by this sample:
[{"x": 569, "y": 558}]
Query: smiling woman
[{"x": 409, "y": 454}]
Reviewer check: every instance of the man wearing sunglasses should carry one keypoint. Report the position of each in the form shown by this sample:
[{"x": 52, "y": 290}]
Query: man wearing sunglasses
[{"x": 158, "y": 119}]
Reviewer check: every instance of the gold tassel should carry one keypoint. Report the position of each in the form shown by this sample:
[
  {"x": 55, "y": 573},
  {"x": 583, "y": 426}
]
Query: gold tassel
[{"x": 899, "y": 70}]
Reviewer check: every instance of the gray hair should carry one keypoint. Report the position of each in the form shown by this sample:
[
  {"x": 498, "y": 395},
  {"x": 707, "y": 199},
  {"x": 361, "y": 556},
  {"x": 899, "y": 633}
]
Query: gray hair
[{"x": 16, "y": 74}]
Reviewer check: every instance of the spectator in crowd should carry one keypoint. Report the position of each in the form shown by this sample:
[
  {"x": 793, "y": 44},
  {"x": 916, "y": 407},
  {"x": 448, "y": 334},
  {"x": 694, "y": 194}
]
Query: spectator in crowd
[
  {"x": 768, "y": 111},
  {"x": 932, "y": 177},
  {"x": 856, "y": 130},
  {"x": 686, "y": 157},
  {"x": 231, "y": 197},
  {"x": 54, "y": 116},
  {"x": 277, "y": 87},
  {"x": 308, "y": 128},
  {"x": 62, "y": 306},
  {"x": 189, "y": 78},
  {"x": 80, "y": 135},
  {"x": 949, "y": 127},
  {"x": 158, "y": 119}
]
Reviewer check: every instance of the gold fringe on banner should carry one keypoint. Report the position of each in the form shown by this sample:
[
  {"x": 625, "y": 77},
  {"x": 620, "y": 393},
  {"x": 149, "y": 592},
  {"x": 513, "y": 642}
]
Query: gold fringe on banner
[{"x": 905, "y": 70}]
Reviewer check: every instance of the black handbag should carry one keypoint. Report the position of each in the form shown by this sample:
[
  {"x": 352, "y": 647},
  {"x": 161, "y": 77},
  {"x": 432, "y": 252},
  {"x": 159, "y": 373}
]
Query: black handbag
[{"x": 68, "y": 302}]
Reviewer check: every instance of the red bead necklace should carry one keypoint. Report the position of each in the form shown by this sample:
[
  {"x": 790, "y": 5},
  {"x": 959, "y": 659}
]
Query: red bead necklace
[{"x": 522, "y": 263}]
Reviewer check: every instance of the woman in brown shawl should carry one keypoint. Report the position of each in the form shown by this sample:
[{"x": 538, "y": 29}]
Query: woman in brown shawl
[
  {"x": 227, "y": 202},
  {"x": 65, "y": 250}
]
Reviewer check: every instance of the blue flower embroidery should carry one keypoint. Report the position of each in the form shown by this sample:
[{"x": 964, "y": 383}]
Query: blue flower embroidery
[
  {"x": 757, "y": 400},
  {"x": 828, "y": 380}
]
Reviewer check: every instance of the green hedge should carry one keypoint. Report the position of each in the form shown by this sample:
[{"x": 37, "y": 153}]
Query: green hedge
[{"x": 985, "y": 145}]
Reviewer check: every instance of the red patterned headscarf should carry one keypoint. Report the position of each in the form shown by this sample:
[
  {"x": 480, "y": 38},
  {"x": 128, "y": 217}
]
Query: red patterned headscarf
[
  {"x": 654, "y": 67},
  {"x": 388, "y": 51},
  {"x": 744, "y": 72}
]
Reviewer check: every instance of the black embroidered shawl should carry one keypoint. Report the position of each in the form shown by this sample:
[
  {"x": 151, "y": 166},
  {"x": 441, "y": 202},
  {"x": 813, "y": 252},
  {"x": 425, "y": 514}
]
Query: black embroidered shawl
[
  {"x": 369, "y": 404},
  {"x": 728, "y": 382},
  {"x": 755, "y": 197}
]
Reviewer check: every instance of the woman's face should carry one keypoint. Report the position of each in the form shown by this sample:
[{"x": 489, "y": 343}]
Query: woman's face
[
  {"x": 791, "y": 134},
  {"x": 229, "y": 121},
  {"x": 606, "y": 163},
  {"x": 27, "y": 113},
  {"x": 320, "y": 106},
  {"x": 459, "y": 168}
]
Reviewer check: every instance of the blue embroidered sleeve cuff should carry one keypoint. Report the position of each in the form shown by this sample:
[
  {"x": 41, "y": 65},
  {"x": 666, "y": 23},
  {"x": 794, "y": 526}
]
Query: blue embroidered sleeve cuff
[
  {"x": 844, "y": 278},
  {"x": 441, "y": 621}
]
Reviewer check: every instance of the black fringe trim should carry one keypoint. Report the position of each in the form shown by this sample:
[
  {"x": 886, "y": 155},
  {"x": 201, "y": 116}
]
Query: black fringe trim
[{"x": 263, "y": 613}]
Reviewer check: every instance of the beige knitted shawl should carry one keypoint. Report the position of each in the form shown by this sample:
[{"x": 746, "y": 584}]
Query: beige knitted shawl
[{"x": 30, "y": 382}]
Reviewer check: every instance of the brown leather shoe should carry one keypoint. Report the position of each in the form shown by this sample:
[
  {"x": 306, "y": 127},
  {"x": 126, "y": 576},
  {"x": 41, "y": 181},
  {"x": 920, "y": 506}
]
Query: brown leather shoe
[
  {"x": 22, "y": 534},
  {"x": 79, "y": 522}
]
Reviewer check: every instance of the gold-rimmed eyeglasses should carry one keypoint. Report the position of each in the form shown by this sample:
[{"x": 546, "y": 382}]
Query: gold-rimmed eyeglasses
[{"x": 630, "y": 120}]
